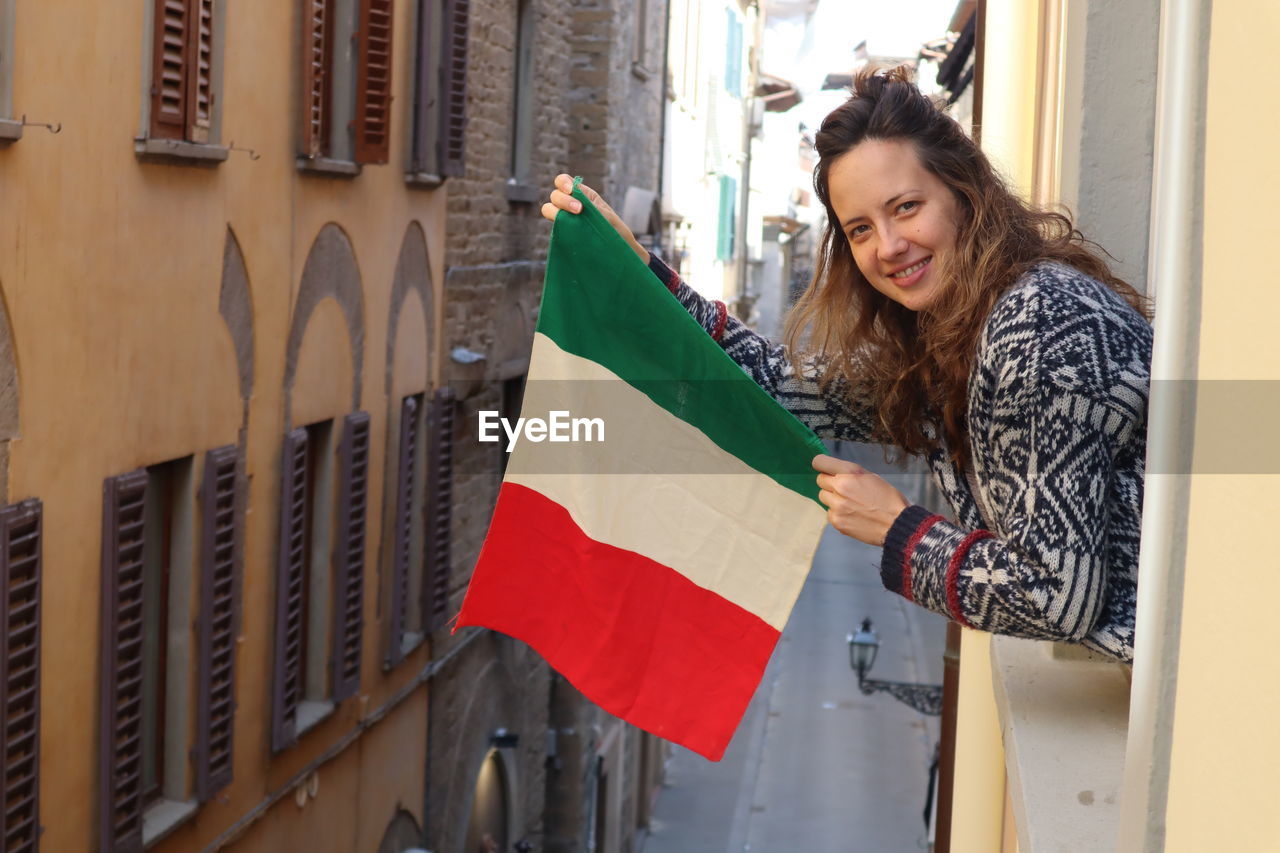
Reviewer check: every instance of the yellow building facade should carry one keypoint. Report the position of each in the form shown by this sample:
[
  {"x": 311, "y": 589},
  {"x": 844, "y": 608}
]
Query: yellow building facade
[
  {"x": 218, "y": 282},
  {"x": 1176, "y": 753}
]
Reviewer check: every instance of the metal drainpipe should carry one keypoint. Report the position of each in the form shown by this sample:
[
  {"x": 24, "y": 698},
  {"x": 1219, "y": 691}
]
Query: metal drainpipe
[
  {"x": 740, "y": 238},
  {"x": 1175, "y": 276},
  {"x": 662, "y": 134}
]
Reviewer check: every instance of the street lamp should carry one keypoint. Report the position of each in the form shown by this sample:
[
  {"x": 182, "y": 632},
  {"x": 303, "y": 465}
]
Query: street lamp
[
  {"x": 925, "y": 698},
  {"x": 862, "y": 649}
]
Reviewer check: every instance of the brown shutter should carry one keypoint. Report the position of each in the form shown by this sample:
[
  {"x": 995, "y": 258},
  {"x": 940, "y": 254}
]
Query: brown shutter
[
  {"x": 120, "y": 733},
  {"x": 373, "y": 83},
  {"x": 317, "y": 71},
  {"x": 169, "y": 69},
  {"x": 439, "y": 510},
  {"x": 215, "y": 682},
  {"x": 286, "y": 686},
  {"x": 20, "y": 527},
  {"x": 200, "y": 70},
  {"x": 348, "y": 611},
  {"x": 403, "y": 528},
  {"x": 453, "y": 87}
]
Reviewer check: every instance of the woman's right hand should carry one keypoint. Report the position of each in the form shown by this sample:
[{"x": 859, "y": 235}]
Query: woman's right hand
[{"x": 561, "y": 199}]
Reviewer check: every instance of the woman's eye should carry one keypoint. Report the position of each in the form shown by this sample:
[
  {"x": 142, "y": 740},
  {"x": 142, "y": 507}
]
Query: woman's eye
[
  {"x": 858, "y": 231},
  {"x": 908, "y": 206}
]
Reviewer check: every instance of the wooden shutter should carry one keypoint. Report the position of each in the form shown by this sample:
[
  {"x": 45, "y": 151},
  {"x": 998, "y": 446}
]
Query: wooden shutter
[
  {"x": 286, "y": 688},
  {"x": 348, "y": 611},
  {"x": 169, "y": 69},
  {"x": 439, "y": 510},
  {"x": 20, "y": 528},
  {"x": 120, "y": 733},
  {"x": 403, "y": 528},
  {"x": 200, "y": 70},
  {"x": 216, "y": 629},
  {"x": 373, "y": 83},
  {"x": 453, "y": 87},
  {"x": 317, "y": 75}
]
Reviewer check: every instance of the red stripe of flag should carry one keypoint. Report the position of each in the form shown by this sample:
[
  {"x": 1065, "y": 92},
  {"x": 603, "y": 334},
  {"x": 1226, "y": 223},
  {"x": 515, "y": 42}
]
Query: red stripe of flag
[{"x": 636, "y": 637}]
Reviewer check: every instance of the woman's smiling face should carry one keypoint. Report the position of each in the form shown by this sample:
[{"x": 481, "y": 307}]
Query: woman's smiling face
[{"x": 899, "y": 218}]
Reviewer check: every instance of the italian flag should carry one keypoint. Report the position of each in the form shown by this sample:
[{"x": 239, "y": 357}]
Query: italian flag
[{"x": 656, "y": 568}]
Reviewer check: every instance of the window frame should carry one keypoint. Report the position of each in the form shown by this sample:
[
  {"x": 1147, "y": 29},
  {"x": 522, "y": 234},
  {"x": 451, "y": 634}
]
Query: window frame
[
  {"x": 519, "y": 188},
  {"x": 10, "y": 129},
  {"x": 344, "y": 149},
  {"x": 438, "y": 119},
  {"x": 170, "y": 502},
  {"x": 150, "y": 146},
  {"x": 404, "y": 594}
]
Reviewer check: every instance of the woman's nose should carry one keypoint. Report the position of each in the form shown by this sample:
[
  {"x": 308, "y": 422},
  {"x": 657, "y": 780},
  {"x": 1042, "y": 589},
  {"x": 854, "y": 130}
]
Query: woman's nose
[{"x": 892, "y": 244}]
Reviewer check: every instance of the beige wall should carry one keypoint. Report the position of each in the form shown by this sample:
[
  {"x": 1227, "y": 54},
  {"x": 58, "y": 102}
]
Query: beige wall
[
  {"x": 1008, "y": 138},
  {"x": 110, "y": 272},
  {"x": 1225, "y": 741}
]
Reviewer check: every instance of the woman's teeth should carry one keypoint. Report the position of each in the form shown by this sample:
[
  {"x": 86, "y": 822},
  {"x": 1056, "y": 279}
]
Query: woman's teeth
[{"x": 911, "y": 269}]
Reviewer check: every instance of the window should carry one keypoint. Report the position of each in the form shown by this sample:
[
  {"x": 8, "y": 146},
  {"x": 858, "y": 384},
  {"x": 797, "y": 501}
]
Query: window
[
  {"x": 20, "y": 563},
  {"x": 9, "y": 129},
  {"x": 518, "y": 188},
  {"x": 153, "y": 640},
  {"x": 181, "y": 114},
  {"x": 319, "y": 588},
  {"x": 640, "y": 41},
  {"x": 440, "y": 91},
  {"x": 346, "y": 84},
  {"x": 407, "y": 551},
  {"x": 733, "y": 55},
  {"x": 728, "y": 220}
]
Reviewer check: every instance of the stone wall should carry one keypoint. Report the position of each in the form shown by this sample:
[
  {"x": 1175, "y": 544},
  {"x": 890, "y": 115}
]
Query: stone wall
[
  {"x": 594, "y": 115},
  {"x": 615, "y": 94}
]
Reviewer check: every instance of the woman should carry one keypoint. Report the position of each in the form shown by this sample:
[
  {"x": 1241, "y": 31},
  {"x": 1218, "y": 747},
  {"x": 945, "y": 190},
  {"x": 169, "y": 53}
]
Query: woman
[{"x": 950, "y": 320}]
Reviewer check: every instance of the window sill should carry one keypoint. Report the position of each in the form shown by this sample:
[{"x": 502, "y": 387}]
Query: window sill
[
  {"x": 423, "y": 180},
  {"x": 518, "y": 193},
  {"x": 310, "y": 714},
  {"x": 1064, "y": 719},
  {"x": 178, "y": 152},
  {"x": 408, "y": 644},
  {"x": 10, "y": 131},
  {"x": 329, "y": 167},
  {"x": 164, "y": 817}
]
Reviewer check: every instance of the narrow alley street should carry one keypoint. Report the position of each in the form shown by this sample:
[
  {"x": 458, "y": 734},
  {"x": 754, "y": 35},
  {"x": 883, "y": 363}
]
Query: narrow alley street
[{"x": 816, "y": 766}]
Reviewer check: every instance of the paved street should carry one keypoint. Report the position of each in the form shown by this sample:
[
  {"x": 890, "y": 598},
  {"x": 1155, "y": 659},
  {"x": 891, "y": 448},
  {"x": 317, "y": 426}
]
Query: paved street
[{"x": 817, "y": 766}]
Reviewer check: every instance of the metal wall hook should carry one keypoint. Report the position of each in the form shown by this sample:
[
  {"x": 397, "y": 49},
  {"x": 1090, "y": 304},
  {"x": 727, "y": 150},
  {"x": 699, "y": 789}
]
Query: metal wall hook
[
  {"x": 52, "y": 128},
  {"x": 253, "y": 155}
]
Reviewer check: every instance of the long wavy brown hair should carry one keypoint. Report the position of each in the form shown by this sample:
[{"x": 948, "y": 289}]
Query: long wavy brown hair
[{"x": 914, "y": 366}]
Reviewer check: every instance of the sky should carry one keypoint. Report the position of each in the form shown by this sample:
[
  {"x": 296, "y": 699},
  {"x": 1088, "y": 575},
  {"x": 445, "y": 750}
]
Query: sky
[{"x": 805, "y": 56}]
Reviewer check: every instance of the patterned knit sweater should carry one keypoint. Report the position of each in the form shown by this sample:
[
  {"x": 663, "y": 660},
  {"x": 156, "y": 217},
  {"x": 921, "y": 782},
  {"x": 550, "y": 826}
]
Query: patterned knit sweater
[{"x": 1043, "y": 542}]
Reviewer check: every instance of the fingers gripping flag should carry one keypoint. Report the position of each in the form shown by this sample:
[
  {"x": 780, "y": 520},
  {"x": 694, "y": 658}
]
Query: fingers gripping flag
[{"x": 656, "y": 568}]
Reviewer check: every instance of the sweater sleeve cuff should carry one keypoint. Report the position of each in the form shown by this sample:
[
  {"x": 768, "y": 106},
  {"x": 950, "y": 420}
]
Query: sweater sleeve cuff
[
  {"x": 908, "y": 528},
  {"x": 669, "y": 277}
]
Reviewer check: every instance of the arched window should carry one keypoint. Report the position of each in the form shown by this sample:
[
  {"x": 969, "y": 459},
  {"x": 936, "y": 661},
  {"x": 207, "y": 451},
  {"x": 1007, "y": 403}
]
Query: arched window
[{"x": 487, "y": 831}]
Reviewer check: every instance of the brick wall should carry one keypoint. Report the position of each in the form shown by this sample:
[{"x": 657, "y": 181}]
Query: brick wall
[{"x": 616, "y": 101}]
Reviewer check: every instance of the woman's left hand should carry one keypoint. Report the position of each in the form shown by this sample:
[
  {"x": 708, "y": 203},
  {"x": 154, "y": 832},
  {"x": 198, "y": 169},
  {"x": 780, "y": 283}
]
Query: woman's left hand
[{"x": 859, "y": 504}]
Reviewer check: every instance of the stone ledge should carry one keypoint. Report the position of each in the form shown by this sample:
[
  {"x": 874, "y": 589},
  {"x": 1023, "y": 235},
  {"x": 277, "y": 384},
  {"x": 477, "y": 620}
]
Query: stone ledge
[
  {"x": 164, "y": 817},
  {"x": 328, "y": 167},
  {"x": 176, "y": 151},
  {"x": 1064, "y": 724},
  {"x": 423, "y": 180}
]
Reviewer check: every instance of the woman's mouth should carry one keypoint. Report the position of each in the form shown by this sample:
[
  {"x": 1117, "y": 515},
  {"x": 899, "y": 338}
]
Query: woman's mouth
[{"x": 912, "y": 274}]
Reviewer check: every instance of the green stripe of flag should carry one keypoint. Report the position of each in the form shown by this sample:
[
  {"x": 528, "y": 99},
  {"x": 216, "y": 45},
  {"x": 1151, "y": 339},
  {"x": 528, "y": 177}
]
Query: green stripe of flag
[{"x": 594, "y": 277}]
